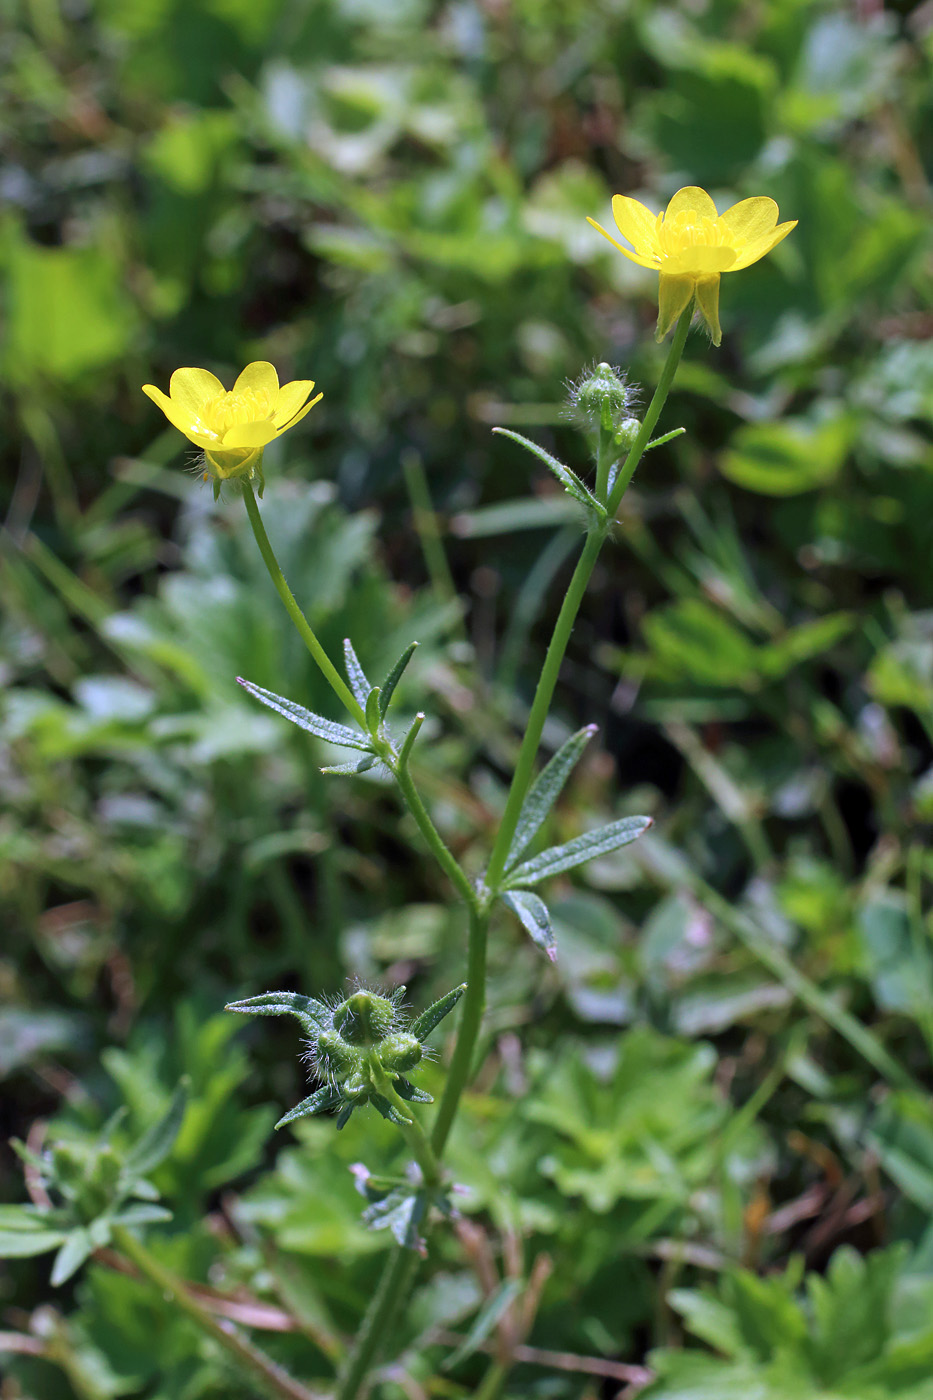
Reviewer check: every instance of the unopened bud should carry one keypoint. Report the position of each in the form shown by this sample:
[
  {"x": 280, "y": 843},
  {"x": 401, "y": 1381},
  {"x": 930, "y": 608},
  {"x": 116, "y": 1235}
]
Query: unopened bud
[
  {"x": 365, "y": 1018},
  {"x": 399, "y": 1053},
  {"x": 602, "y": 397}
]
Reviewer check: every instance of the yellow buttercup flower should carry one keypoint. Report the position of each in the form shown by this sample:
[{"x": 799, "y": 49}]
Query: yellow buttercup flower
[
  {"x": 233, "y": 427},
  {"x": 690, "y": 245}
]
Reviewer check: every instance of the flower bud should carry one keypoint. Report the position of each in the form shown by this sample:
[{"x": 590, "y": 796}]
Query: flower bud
[
  {"x": 400, "y": 1052},
  {"x": 602, "y": 398},
  {"x": 336, "y": 1056},
  {"x": 364, "y": 1018}
]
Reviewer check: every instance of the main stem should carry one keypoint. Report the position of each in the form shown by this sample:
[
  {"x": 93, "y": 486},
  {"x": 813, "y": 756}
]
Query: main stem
[
  {"x": 567, "y": 616},
  {"x": 274, "y": 1380},
  {"x": 331, "y": 675}
]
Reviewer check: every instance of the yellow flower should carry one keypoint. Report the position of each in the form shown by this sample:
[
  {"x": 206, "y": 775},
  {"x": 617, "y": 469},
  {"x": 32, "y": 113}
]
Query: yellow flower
[
  {"x": 690, "y": 245},
  {"x": 233, "y": 428}
]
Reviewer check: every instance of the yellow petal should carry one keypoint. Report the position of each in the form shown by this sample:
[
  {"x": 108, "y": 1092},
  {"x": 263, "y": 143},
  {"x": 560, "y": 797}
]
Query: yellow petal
[
  {"x": 633, "y": 257},
  {"x": 249, "y": 434},
  {"x": 751, "y": 219},
  {"x": 636, "y": 223},
  {"x": 298, "y": 416},
  {"x": 179, "y": 417},
  {"x": 691, "y": 197},
  {"x": 761, "y": 246},
  {"x": 191, "y": 389},
  {"x": 674, "y": 296},
  {"x": 260, "y": 377},
  {"x": 699, "y": 261},
  {"x": 708, "y": 306},
  {"x": 291, "y": 397}
]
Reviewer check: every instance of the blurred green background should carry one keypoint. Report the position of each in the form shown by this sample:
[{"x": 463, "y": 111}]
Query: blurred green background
[{"x": 389, "y": 197}]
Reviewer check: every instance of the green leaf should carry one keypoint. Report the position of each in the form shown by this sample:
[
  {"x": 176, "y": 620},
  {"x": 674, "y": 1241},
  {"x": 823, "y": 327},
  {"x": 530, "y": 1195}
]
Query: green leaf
[
  {"x": 406, "y": 1090},
  {"x": 424, "y": 1025},
  {"x": 787, "y": 457},
  {"x": 568, "y": 479},
  {"x": 142, "y": 1215},
  {"x": 393, "y": 678},
  {"x": 582, "y": 848},
  {"x": 305, "y": 719},
  {"x": 24, "y": 1232},
  {"x": 156, "y": 1143},
  {"x": 77, "y": 1248},
  {"x": 388, "y": 1110},
  {"x": 401, "y": 1212},
  {"x": 545, "y": 791},
  {"x": 362, "y": 765},
  {"x": 373, "y": 712},
  {"x": 355, "y": 673},
  {"x": 320, "y": 1101},
  {"x": 533, "y": 913},
  {"x": 311, "y": 1013},
  {"x": 492, "y": 1312}
]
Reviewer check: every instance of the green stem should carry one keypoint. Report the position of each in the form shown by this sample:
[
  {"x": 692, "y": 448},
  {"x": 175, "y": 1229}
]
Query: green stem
[
  {"x": 492, "y": 1383},
  {"x": 394, "y": 1285},
  {"x": 474, "y": 1000},
  {"x": 435, "y": 842},
  {"x": 604, "y": 455},
  {"x": 274, "y": 1380},
  {"x": 417, "y": 1138},
  {"x": 339, "y": 687},
  {"x": 567, "y": 616},
  {"x": 643, "y": 436}
]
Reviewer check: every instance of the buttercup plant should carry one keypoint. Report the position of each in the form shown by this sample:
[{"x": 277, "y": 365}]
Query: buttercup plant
[{"x": 363, "y": 1049}]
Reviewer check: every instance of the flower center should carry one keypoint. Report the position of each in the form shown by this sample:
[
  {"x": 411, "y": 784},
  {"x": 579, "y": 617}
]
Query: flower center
[
  {"x": 689, "y": 230},
  {"x": 231, "y": 409}
]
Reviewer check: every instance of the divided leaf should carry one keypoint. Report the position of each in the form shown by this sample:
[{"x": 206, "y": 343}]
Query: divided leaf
[
  {"x": 401, "y": 1212},
  {"x": 533, "y": 913},
  {"x": 567, "y": 478},
  {"x": 355, "y": 673},
  {"x": 545, "y": 791},
  {"x": 582, "y": 848},
  {"x": 317, "y": 725},
  {"x": 394, "y": 676}
]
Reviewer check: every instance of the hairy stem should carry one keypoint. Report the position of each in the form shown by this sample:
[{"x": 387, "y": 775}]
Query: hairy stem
[
  {"x": 395, "y": 1284},
  {"x": 338, "y": 686},
  {"x": 567, "y": 616},
  {"x": 417, "y": 1138},
  {"x": 474, "y": 999},
  {"x": 273, "y": 1379}
]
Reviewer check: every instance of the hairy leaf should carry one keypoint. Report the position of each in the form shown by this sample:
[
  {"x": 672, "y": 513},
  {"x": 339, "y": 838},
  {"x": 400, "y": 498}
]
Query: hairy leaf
[
  {"x": 317, "y": 725},
  {"x": 535, "y": 918},
  {"x": 582, "y": 848},
  {"x": 319, "y": 1102},
  {"x": 355, "y": 673},
  {"x": 426, "y": 1022},
  {"x": 568, "y": 479},
  {"x": 394, "y": 676},
  {"x": 545, "y": 791}
]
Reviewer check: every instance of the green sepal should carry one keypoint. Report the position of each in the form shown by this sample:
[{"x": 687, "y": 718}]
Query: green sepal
[
  {"x": 317, "y": 725},
  {"x": 408, "y": 743},
  {"x": 320, "y": 1101},
  {"x": 355, "y": 673},
  {"x": 534, "y": 916},
  {"x": 394, "y": 676},
  {"x": 343, "y": 1117},
  {"x": 312, "y": 1014},
  {"x": 582, "y": 848},
  {"x": 545, "y": 791},
  {"x": 567, "y": 478},
  {"x": 426, "y": 1022}
]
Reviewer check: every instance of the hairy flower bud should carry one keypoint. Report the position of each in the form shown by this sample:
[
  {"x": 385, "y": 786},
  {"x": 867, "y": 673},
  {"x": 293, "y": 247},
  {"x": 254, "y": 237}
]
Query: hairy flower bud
[
  {"x": 399, "y": 1053},
  {"x": 602, "y": 397},
  {"x": 365, "y": 1018}
]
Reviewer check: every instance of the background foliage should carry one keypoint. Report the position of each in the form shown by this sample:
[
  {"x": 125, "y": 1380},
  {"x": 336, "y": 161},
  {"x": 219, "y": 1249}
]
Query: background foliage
[{"x": 682, "y": 1152}]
